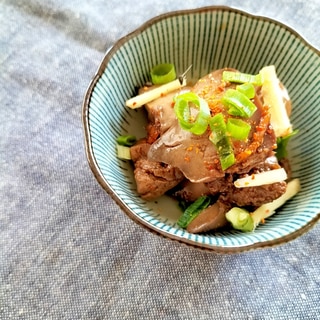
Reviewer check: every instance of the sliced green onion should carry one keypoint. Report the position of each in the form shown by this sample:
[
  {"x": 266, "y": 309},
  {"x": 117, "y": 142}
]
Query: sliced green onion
[
  {"x": 193, "y": 112},
  {"x": 238, "y": 104},
  {"x": 225, "y": 151},
  {"x": 218, "y": 128},
  {"x": 240, "y": 219},
  {"x": 238, "y": 129},
  {"x": 123, "y": 152},
  {"x": 193, "y": 210},
  {"x": 239, "y": 77},
  {"x": 247, "y": 89},
  {"x": 163, "y": 73},
  {"x": 127, "y": 140},
  {"x": 282, "y": 142},
  {"x": 222, "y": 142}
]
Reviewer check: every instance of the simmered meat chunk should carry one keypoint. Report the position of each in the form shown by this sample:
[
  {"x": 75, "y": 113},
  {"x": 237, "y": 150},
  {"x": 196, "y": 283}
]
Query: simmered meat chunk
[
  {"x": 254, "y": 196},
  {"x": 153, "y": 178}
]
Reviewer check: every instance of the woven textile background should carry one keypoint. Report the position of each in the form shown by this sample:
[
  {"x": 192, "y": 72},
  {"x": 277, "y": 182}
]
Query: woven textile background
[{"x": 66, "y": 250}]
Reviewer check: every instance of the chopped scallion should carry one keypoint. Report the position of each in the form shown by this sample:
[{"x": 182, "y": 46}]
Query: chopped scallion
[
  {"x": 126, "y": 140},
  {"x": 239, "y": 77},
  {"x": 222, "y": 142},
  {"x": 218, "y": 128},
  {"x": 163, "y": 73},
  {"x": 240, "y": 219},
  {"x": 225, "y": 151},
  {"x": 247, "y": 89},
  {"x": 193, "y": 112},
  {"x": 193, "y": 210},
  {"x": 123, "y": 152},
  {"x": 238, "y": 129},
  {"x": 238, "y": 104}
]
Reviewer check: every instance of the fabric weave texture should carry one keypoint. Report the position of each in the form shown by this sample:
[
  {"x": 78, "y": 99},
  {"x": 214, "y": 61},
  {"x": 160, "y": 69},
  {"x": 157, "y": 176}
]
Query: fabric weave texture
[{"x": 67, "y": 251}]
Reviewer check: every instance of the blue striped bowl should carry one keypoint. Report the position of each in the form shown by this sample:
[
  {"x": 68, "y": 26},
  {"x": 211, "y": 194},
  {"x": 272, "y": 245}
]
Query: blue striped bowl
[{"x": 208, "y": 38}]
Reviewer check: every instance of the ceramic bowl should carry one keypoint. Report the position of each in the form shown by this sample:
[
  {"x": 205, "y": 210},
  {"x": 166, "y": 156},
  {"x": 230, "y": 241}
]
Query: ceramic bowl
[{"x": 208, "y": 38}]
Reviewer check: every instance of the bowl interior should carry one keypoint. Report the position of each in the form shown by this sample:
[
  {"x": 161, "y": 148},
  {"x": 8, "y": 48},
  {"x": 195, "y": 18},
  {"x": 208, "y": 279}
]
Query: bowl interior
[{"x": 208, "y": 38}]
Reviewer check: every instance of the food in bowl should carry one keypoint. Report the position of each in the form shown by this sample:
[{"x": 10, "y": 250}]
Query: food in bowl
[
  {"x": 218, "y": 146},
  {"x": 207, "y": 38}
]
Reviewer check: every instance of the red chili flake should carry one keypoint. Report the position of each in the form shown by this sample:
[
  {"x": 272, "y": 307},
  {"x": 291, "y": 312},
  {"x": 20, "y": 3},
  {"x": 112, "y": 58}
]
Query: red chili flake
[
  {"x": 243, "y": 155},
  {"x": 269, "y": 130},
  {"x": 153, "y": 133},
  {"x": 209, "y": 166},
  {"x": 259, "y": 128},
  {"x": 265, "y": 110},
  {"x": 220, "y": 88}
]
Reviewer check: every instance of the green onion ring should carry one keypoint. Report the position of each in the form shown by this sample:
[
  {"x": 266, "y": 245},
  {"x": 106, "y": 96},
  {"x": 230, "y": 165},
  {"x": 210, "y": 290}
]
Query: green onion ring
[
  {"x": 247, "y": 89},
  {"x": 238, "y": 104},
  {"x": 126, "y": 140},
  {"x": 239, "y": 77},
  {"x": 163, "y": 73},
  {"x": 187, "y": 102},
  {"x": 240, "y": 219},
  {"x": 218, "y": 128},
  {"x": 238, "y": 129}
]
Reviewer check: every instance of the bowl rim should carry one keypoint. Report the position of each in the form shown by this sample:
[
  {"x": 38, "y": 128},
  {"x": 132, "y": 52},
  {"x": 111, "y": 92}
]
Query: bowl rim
[{"x": 104, "y": 183}]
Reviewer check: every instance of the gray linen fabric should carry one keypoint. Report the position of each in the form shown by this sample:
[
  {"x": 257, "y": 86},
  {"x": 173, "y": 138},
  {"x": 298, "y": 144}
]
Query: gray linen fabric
[{"x": 66, "y": 249}]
